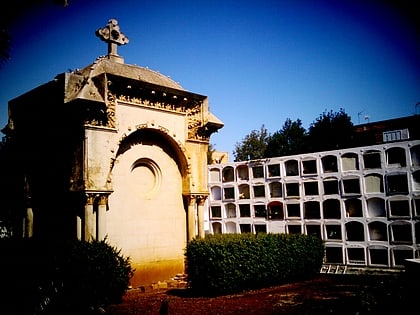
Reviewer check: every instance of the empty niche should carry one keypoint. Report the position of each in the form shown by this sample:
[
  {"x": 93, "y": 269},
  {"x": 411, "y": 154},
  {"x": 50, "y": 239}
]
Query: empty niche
[
  {"x": 356, "y": 255},
  {"x": 416, "y": 180},
  {"x": 353, "y": 207},
  {"x": 258, "y": 171},
  {"x": 244, "y": 210},
  {"x": 334, "y": 255},
  {"x": 376, "y": 207},
  {"x": 399, "y": 208},
  {"x": 260, "y": 228},
  {"x": 400, "y": 254},
  {"x": 415, "y": 155},
  {"x": 314, "y": 230},
  {"x": 245, "y": 228},
  {"x": 329, "y": 164},
  {"x": 243, "y": 190},
  {"x": 292, "y": 190},
  {"x": 242, "y": 172},
  {"x": 260, "y": 211},
  {"x": 330, "y": 186},
  {"x": 311, "y": 210},
  {"x": 275, "y": 210},
  {"x": 378, "y": 231},
  {"x": 395, "y": 157},
  {"x": 396, "y": 184},
  {"x": 229, "y": 193},
  {"x": 416, "y": 204},
  {"x": 216, "y": 193},
  {"x": 417, "y": 232},
  {"x": 273, "y": 170},
  {"x": 231, "y": 227},
  {"x": 309, "y": 167},
  {"x": 374, "y": 183},
  {"x": 349, "y": 161},
  {"x": 372, "y": 159},
  {"x": 259, "y": 191},
  {"x": 292, "y": 168},
  {"x": 311, "y": 188},
  {"x": 331, "y": 209},
  {"x": 275, "y": 190},
  {"x": 215, "y": 175},
  {"x": 230, "y": 210},
  {"x": 333, "y": 232},
  {"x": 217, "y": 227},
  {"x": 228, "y": 174},
  {"x": 401, "y": 232},
  {"x": 294, "y": 229},
  {"x": 355, "y": 232},
  {"x": 216, "y": 212},
  {"x": 351, "y": 186},
  {"x": 378, "y": 255},
  {"x": 293, "y": 210}
]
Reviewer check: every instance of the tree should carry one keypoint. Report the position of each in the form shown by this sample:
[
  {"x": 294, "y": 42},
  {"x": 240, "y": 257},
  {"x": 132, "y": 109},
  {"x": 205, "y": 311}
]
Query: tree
[
  {"x": 253, "y": 145},
  {"x": 289, "y": 140},
  {"x": 331, "y": 131}
]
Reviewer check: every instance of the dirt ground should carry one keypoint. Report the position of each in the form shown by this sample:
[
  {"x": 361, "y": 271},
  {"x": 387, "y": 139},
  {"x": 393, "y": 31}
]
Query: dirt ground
[{"x": 325, "y": 294}]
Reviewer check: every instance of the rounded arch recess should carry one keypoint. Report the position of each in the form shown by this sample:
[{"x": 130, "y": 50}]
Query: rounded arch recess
[{"x": 157, "y": 137}]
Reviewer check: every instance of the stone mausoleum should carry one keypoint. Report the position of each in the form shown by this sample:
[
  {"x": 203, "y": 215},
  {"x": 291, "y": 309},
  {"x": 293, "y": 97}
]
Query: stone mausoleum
[{"x": 117, "y": 152}]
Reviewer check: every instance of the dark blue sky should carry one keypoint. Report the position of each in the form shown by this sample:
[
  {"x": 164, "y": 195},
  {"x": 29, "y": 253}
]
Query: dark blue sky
[{"x": 259, "y": 62}]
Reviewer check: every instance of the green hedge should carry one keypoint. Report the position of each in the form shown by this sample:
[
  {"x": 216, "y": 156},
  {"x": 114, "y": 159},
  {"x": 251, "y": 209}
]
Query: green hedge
[
  {"x": 227, "y": 263},
  {"x": 72, "y": 277}
]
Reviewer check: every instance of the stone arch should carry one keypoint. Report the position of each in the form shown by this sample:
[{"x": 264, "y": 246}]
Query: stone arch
[{"x": 158, "y": 137}]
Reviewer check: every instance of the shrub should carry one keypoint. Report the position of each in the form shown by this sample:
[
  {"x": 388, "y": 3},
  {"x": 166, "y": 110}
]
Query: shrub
[
  {"x": 62, "y": 277},
  {"x": 227, "y": 263},
  {"x": 93, "y": 274}
]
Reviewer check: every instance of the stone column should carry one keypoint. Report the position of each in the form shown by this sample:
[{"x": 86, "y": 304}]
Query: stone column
[
  {"x": 100, "y": 215},
  {"x": 28, "y": 223},
  {"x": 200, "y": 215},
  {"x": 89, "y": 222},
  {"x": 79, "y": 224},
  {"x": 191, "y": 217}
]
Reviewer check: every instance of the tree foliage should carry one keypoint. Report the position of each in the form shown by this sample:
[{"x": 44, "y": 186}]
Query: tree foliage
[
  {"x": 330, "y": 131},
  {"x": 289, "y": 140},
  {"x": 253, "y": 145}
]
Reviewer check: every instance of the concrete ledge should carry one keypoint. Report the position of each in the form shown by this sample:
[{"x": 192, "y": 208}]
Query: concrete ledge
[{"x": 412, "y": 266}]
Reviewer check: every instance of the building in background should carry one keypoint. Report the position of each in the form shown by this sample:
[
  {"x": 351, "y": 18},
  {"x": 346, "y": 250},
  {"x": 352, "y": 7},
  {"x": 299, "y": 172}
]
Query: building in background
[{"x": 363, "y": 202}]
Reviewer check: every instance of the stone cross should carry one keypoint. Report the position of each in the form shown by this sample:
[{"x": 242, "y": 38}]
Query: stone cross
[{"x": 112, "y": 35}]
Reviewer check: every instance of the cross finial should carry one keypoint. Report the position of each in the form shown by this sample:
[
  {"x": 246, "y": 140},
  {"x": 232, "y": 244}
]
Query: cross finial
[{"x": 112, "y": 35}]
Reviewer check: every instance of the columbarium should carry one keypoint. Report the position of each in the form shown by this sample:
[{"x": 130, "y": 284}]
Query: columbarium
[
  {"x": 113, "y": 151},
  {"x": 363, "y": 202}
]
